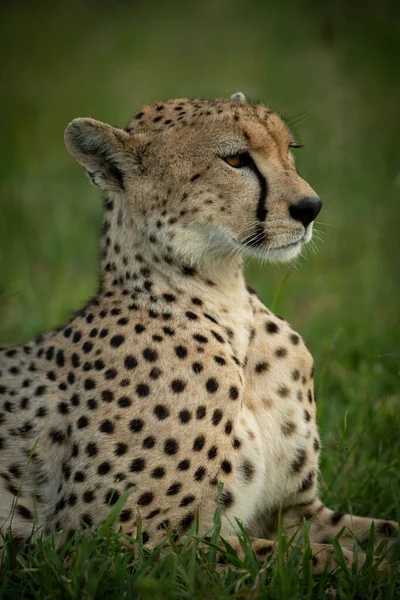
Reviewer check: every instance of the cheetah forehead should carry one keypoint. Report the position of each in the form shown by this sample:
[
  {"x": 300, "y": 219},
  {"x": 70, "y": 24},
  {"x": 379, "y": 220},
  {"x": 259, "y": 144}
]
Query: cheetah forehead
[{"x": 181, "y": 112}]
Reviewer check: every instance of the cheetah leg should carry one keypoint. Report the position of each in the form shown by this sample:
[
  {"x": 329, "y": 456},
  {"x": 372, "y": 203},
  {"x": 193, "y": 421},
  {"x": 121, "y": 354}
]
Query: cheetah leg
[
  {"x": 323, "y": 555},
  {"x": 326, "y": 524}
]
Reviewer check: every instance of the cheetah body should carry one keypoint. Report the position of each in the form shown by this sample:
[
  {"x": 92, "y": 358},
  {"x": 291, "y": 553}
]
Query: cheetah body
[{"x": 175, "y": 377}]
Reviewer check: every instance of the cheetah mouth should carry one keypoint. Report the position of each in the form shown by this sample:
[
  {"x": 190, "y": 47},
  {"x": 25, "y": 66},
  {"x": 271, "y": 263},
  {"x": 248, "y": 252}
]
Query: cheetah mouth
[
  {"x": 289, "y": 245},
  {"x": 282, "y": 253}
]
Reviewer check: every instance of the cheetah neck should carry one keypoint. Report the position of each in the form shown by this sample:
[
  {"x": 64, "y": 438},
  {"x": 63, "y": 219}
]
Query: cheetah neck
[{"x": 160, "y": 282}]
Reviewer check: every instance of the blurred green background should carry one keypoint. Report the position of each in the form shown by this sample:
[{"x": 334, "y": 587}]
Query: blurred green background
[{"x": 333, "y": 69}]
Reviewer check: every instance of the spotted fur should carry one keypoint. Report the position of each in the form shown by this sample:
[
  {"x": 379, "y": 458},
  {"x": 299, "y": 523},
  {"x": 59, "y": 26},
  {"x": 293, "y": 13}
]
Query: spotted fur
[{"x": 175, "y": 376}]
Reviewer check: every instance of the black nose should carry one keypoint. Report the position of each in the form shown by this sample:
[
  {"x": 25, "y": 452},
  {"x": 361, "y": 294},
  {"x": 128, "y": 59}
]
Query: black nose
[{"x": 306, "y": 210}]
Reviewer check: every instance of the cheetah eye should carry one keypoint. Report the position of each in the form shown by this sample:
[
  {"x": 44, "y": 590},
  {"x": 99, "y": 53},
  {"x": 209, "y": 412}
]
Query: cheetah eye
[{"x": 238, "y": 160}]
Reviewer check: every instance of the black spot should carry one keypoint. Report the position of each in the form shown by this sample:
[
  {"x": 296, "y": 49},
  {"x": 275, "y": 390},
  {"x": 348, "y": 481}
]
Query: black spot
[
  {"x": 271, "y": 327},
  {"x": 212, "y": 385},
  {"x": 197, "y": 367},
  {"x": 60, "y": 360},
  {"x": 88, "y": 496},
  {"x": 184, "y": 465},
  {"x": 200, "y": 338},
  {"x": 155, "y": 373},
  {"x": 89, "y": 384},
  {"x": 294, "y": 339},
  {"x": 288, "y": 428},
  {"x": 386, "y": 529},
  {"x": 124, "y": 402},
  {"x": 161, "y": 412},
  {"x": 158, "y": 473},
  {"x": 194, "y": 177},
  {"x": 106, "y": 426},
  {"x": 142, "y": 390},
  {"x": 191, "y": 315},
  {"x": 130, "y": 362},
  {"x": 82, "y": 422},
  {"x": 185, "y": 416},
  {"x": 228, "y": 427},
  {"x": 177, "y": 386},
  {"x": 153, "y": 514},
  {"x": 226, "y": 466},
  {"x": 248, "y": 470},
  {"x": 217, "y": 416},
  {"x": 150, "y": 355},
  {"x": 171, "y": 446},
  {"x": 296, "y": 375},
  {"x": 263, "y": 550},
  {"x": 227, "y": 499},
  {"x": 136, "y": 425},
  {"x": 186, "y": 500},
  {"x": 174, "y": 489},
  {"x": 91, "y": 449},
  {"x": 148, "y": 442},
  {"x": 137, "y": 465},
  {"x": 110, "y": 374},
  {"x": 57, "y": 436},
  {"x": 107, "y": 396},
  {"x": 336, "y": 518},
  {"x": 200, "y": 473},
  {"x": 299, "y": 461},
  {"x": 218, "y": 337},
  {"x": 181, "y": 351},
  {"x": 233, "y": 393},
  {"x": 198, "y": 443},
  {"x": 75, "y": 401},
  {"x": 111, "y": 497},
  {"x": 281, "y": 352},
  {"x": 125, "y": 515},
  {"x": 50, "y": 353},
  {"x": 87, "y": 347},
  {"x": 283, "y": 391},
  {"x": 307, "y": 483},
  {"x": 145, "y": 499},
  {"x": 262, "y": 366},
  {"x": 316, "y": 445},
  {"x": 220, "y": 360},
  {"x": 201, "y": 412},
  {"x": 24, "y": 512},
  {"x": 212, "y": 453},
  {"x": 117, "y": 340}
]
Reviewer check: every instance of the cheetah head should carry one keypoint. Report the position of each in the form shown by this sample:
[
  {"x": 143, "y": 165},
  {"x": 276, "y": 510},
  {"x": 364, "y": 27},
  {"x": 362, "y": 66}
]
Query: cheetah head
[{"x": 205, "y": 178}]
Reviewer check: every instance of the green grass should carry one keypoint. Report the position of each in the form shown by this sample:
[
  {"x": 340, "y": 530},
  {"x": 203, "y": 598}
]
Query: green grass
[{"x": 331, "y": 69}]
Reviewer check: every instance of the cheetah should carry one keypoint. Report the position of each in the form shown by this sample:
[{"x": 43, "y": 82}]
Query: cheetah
[{"x": 175, "y": 377}]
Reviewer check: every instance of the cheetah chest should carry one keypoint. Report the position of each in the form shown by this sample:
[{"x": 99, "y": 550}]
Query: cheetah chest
[{"x": 276, "y": 425}]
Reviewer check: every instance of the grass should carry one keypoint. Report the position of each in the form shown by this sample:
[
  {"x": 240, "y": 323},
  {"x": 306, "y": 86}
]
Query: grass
[{"x": 318, "y": 65}]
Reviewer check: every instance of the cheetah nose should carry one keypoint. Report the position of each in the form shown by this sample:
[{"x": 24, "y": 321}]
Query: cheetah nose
[{"x": 306, "y": 210}]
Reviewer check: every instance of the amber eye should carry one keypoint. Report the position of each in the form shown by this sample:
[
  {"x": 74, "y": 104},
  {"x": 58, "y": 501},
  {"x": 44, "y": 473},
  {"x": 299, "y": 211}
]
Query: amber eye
[{"x": 238, "y": 160}]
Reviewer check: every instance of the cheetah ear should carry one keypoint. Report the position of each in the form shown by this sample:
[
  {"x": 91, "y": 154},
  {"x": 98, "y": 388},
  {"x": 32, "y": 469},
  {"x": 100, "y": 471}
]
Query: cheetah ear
[
  {"x": 101, "y": 150},
  {"x": 239, "y": 97}
]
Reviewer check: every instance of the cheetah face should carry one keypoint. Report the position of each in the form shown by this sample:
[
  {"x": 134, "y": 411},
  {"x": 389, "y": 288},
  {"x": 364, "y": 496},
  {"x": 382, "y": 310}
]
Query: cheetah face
[{"x": 205, "y": 178}]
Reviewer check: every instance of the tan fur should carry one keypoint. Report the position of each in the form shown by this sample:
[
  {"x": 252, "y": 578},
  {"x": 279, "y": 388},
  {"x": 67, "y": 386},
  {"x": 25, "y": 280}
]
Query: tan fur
[{"x": 175, "y": 376}]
